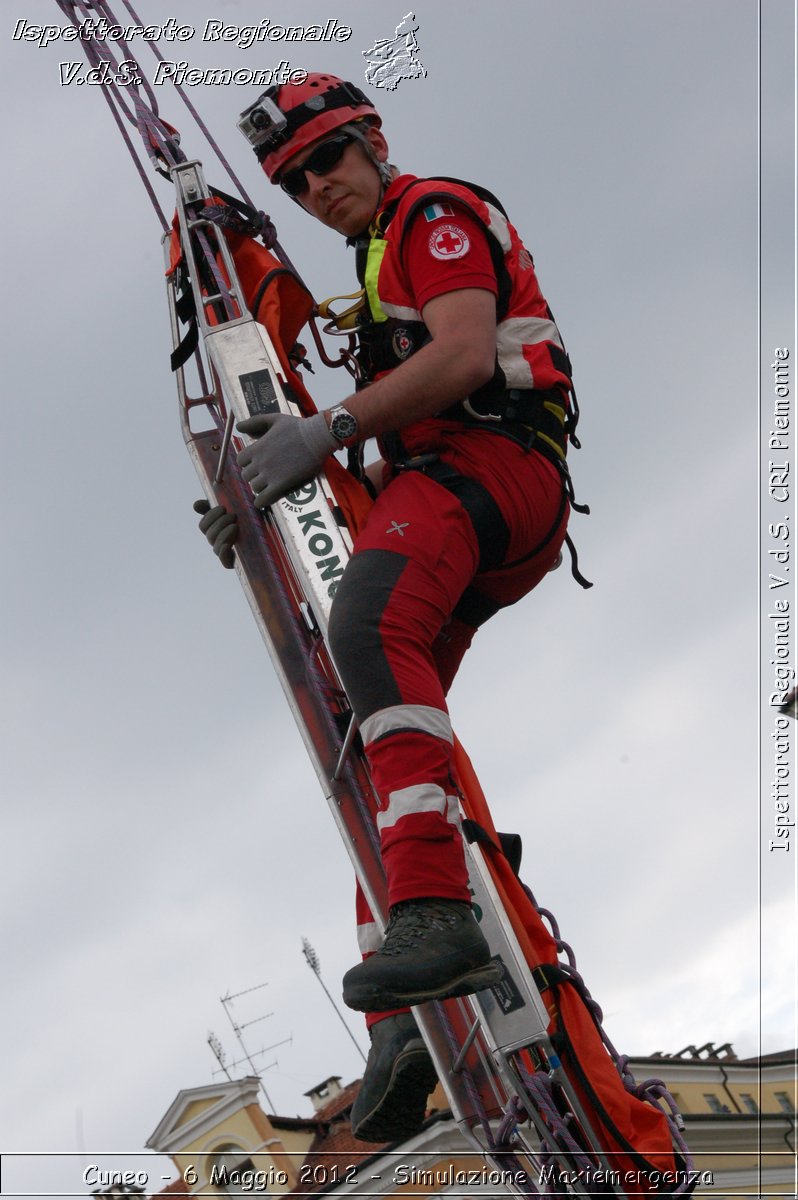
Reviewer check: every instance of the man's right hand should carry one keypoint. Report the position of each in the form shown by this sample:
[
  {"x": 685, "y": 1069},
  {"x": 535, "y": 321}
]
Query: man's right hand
[{"x": 220, "y": 528}]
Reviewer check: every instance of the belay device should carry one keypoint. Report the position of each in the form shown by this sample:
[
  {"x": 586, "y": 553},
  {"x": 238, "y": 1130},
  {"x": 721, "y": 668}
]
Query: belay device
[{"x": 532, "y": 1081}]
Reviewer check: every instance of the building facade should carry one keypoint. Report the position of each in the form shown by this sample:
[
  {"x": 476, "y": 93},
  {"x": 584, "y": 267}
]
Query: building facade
[{"x": 739, "y": 1114}]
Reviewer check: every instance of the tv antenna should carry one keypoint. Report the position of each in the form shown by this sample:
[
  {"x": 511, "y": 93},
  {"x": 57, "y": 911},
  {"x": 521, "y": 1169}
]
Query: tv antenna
[
  {"x": 218, "y": 1049},
  {"x": 312, "y": 959}
]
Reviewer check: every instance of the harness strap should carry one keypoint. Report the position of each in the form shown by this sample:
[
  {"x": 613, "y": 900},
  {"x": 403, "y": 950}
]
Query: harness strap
[
  {"x": 474, "y": 609},
  {"x": 490, "y": 527},
  {"x": 577, "y": 574},
  {"x": 241, "y": 218},
  {"x": 532, "y": 416},
  {"x": 551, "y": 975},
  {"x": 510, "y": 844},
  {"x": 486, "y": 518},
  {"x": 187, "y": 315}
]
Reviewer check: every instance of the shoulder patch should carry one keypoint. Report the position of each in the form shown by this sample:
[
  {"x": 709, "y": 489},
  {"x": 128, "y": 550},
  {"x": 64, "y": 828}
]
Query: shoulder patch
[{"x": 448, "y": 241}]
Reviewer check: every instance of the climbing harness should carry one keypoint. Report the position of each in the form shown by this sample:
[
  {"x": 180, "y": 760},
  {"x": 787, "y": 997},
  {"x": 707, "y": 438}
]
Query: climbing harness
[
  {"x": 531, "y": 1079},
  {"x": 543, "y": 419}
]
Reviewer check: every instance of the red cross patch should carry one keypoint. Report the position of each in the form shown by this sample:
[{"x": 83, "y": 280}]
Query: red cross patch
[{"x": 449, "y": 241}]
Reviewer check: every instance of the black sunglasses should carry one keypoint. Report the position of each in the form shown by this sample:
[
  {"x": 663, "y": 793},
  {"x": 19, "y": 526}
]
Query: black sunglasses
[{"x": 322, "y": 160}]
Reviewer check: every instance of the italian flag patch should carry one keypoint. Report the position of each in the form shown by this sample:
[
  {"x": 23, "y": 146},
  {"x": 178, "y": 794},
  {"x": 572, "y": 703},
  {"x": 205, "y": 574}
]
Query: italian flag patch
[{"x": 434, "y": 211}]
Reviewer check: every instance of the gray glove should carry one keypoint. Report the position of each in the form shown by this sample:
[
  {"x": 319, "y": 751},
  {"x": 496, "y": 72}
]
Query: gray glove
[
  {"x": 220, "y": 528},
  {"x": 289, "y": 451}
]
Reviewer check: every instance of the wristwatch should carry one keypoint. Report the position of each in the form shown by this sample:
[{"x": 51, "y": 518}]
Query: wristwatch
[{"x": 343, "y": 426}]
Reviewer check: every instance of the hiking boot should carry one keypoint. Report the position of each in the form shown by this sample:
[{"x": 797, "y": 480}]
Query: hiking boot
[
  {"x": 392, "y": 1101},
  {"x": 432, "y": 949}
]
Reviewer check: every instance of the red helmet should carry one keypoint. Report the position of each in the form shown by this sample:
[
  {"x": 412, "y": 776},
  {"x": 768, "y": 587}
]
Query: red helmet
[{"x": 291, "y": 116}]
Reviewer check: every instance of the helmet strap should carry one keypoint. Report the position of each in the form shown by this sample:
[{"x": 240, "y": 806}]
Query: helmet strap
[{"x": 384, "y": 169}]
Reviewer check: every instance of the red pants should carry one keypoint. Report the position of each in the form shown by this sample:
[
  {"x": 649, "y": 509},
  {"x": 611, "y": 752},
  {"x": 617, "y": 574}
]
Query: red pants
[{"x": 433, "y": 563}]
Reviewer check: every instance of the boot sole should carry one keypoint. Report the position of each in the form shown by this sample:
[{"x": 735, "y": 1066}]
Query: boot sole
[
  {"x": 400, "y": 1111},
  {"x": 371, "y": 998}
]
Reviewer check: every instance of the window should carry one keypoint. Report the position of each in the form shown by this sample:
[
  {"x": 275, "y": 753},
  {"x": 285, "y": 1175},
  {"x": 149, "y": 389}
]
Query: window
[
  {"x": 785, "y": 1102},
  {"x": 714, "y": 1103},
  {"x": 748, "y": 1102},
  {"x": 231, "y": 1171}
]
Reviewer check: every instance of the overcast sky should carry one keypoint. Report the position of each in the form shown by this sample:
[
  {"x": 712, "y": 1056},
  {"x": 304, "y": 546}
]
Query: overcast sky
[{"x": 166, "y": 839}]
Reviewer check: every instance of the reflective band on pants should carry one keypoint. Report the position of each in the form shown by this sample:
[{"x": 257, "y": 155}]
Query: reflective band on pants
[{"x": 397, "y": 647}]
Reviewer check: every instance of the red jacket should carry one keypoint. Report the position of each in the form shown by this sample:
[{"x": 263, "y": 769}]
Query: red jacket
[{"x": 529, "y": 351}]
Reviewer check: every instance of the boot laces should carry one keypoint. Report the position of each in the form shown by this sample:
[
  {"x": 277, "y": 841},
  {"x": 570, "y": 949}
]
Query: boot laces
[{"x": 410, "y": 923}]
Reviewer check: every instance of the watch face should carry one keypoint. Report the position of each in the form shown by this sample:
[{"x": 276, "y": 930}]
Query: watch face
[{"x": 343, "y": 425}]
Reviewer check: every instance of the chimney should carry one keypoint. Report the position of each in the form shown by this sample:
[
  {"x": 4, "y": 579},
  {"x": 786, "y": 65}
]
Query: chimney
[{"x": 323, "y": 1093}]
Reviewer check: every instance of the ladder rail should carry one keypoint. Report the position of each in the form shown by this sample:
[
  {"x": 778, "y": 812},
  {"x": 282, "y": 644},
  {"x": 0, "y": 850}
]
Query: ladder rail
[{"x": 275, "y": 605}]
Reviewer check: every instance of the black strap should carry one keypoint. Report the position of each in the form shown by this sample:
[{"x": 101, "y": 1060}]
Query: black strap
[
  {"x": 345, "y": 95},
  {"x": 490, "y": 527},
  {"x": 474, "y": 832},
  {"x": 474, "y": 609},
  {"x": 186, "y": 313},
  {"x": 550, "y": 975},
  {"x": 268, "y": 278},
  {"x": 478, "y": 190},
  {"x": 522, "y": 413},
  {"x": 510, "y": 844},
  {"x": 577, "y": 574},
  {"x": 512, "y": 849},
  {"x": 182, "y": 352}
]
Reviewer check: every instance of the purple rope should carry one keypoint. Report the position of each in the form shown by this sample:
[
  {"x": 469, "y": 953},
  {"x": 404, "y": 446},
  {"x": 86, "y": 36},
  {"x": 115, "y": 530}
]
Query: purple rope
[
  {"x": 92, "y": 51},
  {"x": 228, "y": 218},
  {"x": 513, "y": 1113},
  {"x": 270, "y": 238},
  {"x": 112, "y": 93},
  {"x": 200, "y": 123},
  {"x": 541, "y": 1089},
  {"x": 140, "y": 116},
  {"x": 136, "y": 160},
  {"x": 650, "y": 1090},
  {"x": 159, "y": 142},
  {"x": 272, "y": 243},
  {"x": 218, "y": 278}
]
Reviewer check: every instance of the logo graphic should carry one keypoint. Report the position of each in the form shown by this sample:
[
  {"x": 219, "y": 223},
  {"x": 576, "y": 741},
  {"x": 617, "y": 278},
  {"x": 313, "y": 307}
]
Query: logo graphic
[
  {"x": 449, "y": 241},
  {"x": 395, "y": 527},
  {"x": 311, "y": 526},
  {"x": 301, "y": 496},
  {"x": 524, "y": 259},
  {"x": 402, "y": 344},
  {"x": 390, "y": 60}
]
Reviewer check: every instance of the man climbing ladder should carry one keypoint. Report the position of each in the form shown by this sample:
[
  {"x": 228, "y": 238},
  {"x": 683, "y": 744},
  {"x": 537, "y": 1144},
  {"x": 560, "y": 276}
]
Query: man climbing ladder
[{"x": 467, "y": 388}]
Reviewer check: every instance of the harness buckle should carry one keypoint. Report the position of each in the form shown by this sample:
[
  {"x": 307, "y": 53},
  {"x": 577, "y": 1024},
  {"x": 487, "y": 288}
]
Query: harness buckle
[{"x": 417, "y": 463}]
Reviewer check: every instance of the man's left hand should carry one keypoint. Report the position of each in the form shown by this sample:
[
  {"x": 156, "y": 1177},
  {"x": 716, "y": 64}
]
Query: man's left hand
[{"x": 288, "y": 452}]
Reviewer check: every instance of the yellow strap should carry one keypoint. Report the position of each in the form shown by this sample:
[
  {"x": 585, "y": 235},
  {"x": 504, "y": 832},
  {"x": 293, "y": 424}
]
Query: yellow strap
[
  {"x": 557, "y": 449},
  {"x": 348, "y": 318},
  {"x": 376, "y": 250},
  {"x": 556, "y": 410}
]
